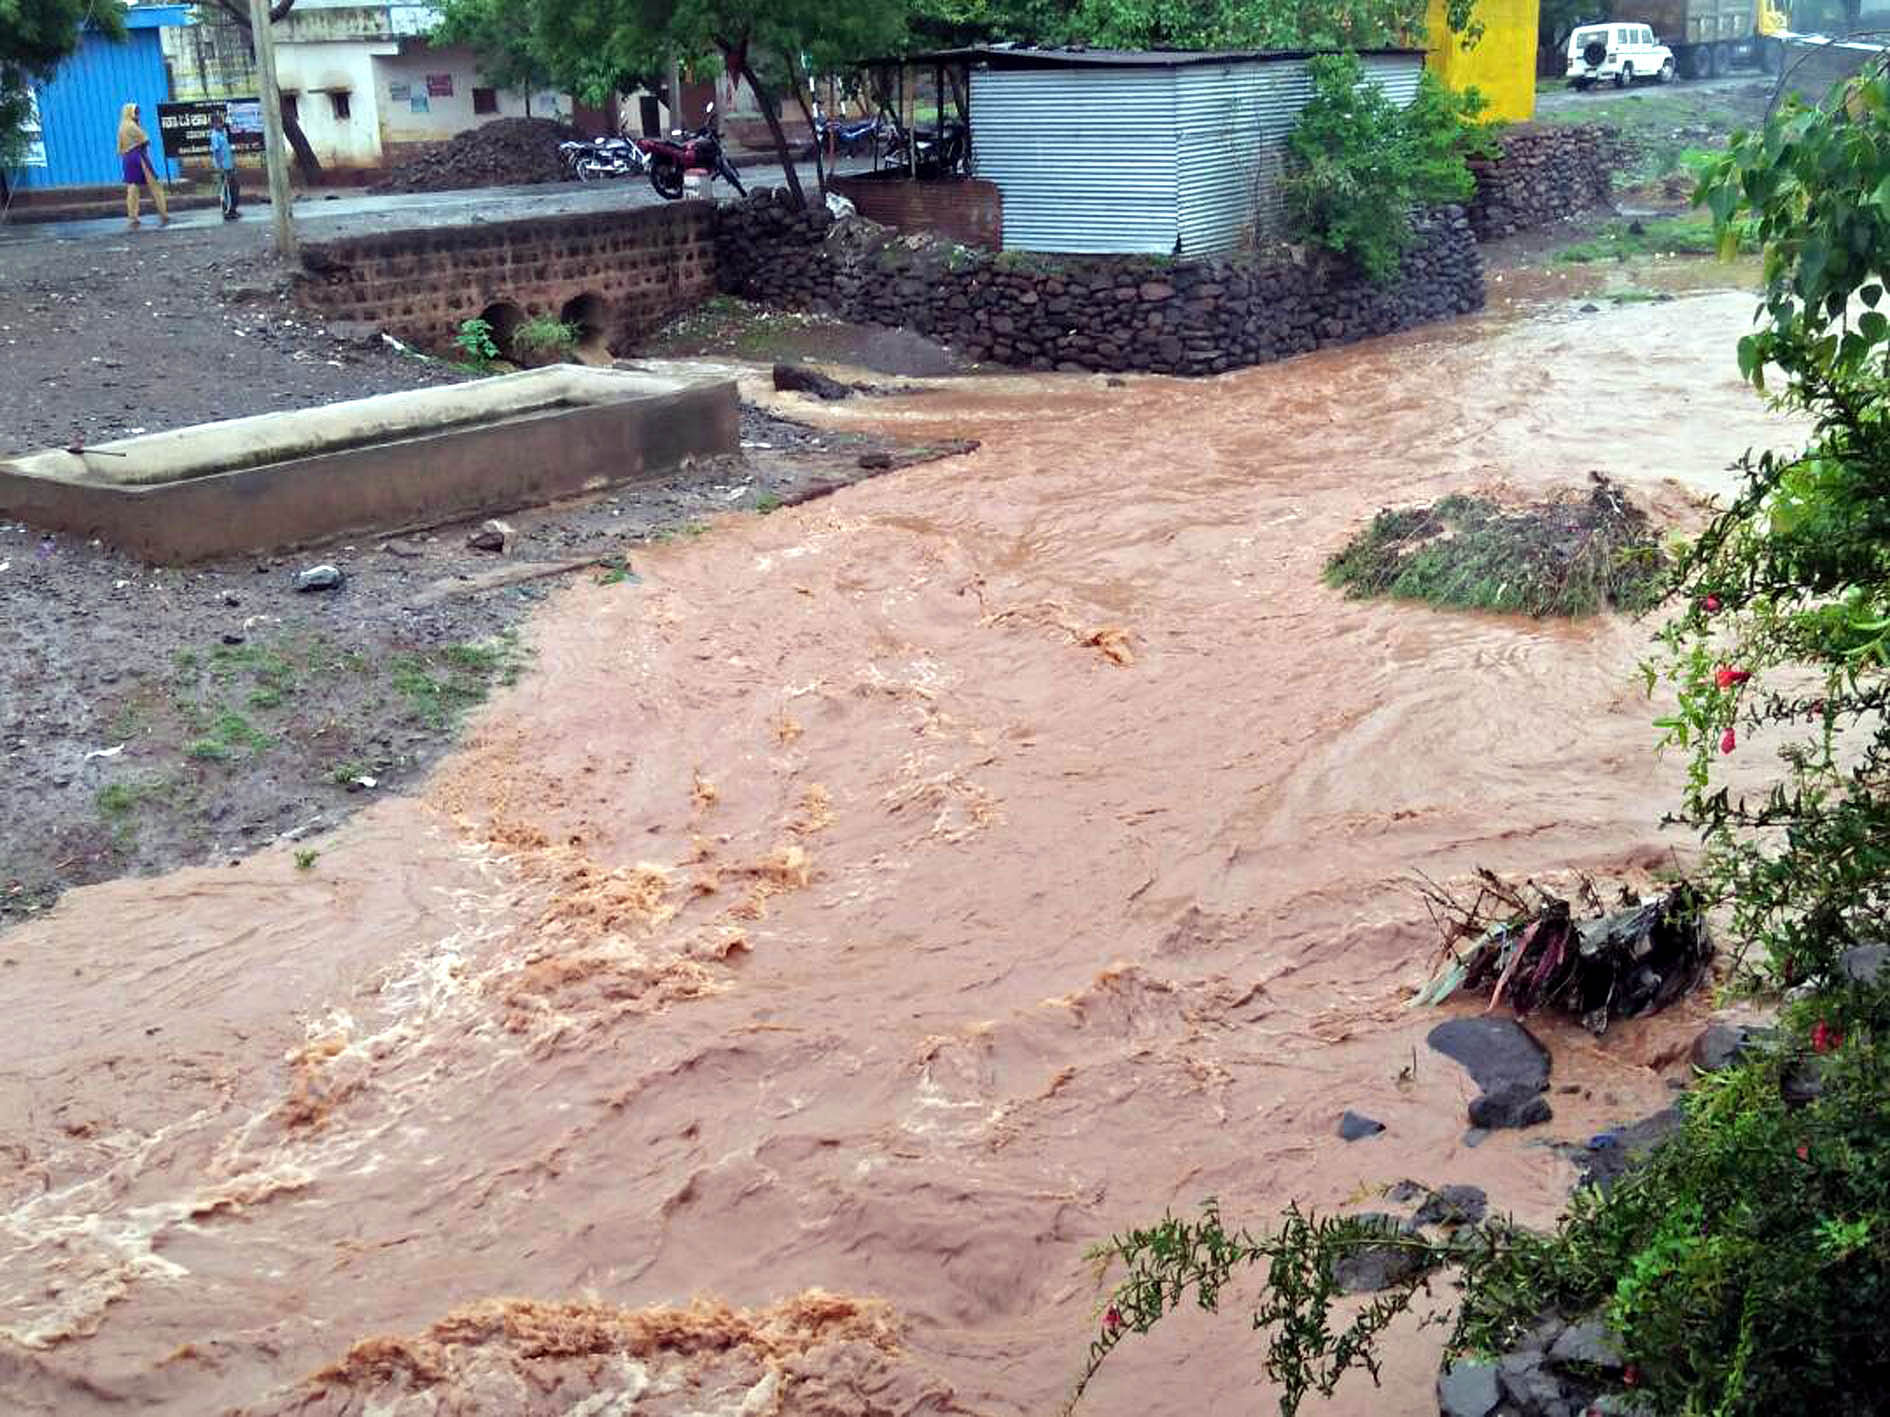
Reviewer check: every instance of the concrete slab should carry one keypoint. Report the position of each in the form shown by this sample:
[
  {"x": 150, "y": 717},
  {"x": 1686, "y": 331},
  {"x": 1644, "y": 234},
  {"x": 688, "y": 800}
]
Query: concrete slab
[{"x": 381, "y": 464}]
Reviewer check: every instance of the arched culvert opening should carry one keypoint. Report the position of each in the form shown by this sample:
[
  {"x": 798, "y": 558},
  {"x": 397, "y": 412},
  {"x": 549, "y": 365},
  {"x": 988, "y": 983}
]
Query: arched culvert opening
[
  {"x": 502, "y": 319},
  {"x": 590, "y": 317}
]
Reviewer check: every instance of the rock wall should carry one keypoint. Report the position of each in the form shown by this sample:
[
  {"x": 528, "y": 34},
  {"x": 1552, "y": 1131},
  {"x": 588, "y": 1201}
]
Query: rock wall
[
  {"x": 1103, "y": 313},
  {"x": 618, "y": 275},
  {"x": 1545, "y": 172}
]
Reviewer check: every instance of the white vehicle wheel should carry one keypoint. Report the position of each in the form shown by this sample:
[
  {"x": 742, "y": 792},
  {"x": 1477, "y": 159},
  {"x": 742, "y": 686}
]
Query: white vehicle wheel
[
  {"x": 1625, "y": 77},
  {"x": 1666, "y": 72}
]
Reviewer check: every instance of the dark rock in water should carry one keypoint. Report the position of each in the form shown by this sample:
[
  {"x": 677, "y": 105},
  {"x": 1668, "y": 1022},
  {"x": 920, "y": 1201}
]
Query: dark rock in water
[
  {"x": 1453, "y": 1205},
  {"x": 1525, "y": 1383},
  {"x": 874, "y": 462},
  {"x": 1589, "y": 1344},
  {"x": 1863, "y": 964},
  {"x": 795, "y": 378},
  {"x": 1591, "y": 309},
  {"x": 1476, "y": 1136},
  {"x": 1375, "y": 1267},
  {"x": 1353, "y": 1126},
  {"x": 1468, "y": 1389},
  {"x": 1513, "y": 1106},
  {"x": 1802, "y": 1082},
  {"x": 1608, "y": 1156},
  {"x": 1497, "y": 1052},
  {"x": 1720, "y": 1045},
  {"x": 1407, "y": 1191}
]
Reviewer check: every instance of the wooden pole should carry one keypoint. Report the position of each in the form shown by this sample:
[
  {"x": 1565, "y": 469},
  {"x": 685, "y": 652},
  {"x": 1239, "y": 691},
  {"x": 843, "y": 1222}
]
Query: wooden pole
[{"x": 281, "y": 199}]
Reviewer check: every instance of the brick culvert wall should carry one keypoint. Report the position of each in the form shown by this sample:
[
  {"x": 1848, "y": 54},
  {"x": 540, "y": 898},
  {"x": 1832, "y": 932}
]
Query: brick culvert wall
[
  {"x": 617, "y": 275},
  {"x": 1102, "y": 313},
  {"x": 1544, "y": 173}
]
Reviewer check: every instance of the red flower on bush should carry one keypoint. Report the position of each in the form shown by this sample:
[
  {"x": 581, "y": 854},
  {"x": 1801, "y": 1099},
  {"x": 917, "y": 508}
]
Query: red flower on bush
[
  {"x": 1112, "y": 1319},
  {"x": 1824, "y": 1038},
  {"x": 1728, "y": 741},
  {"x": 1630, "y": 1375},
  {"x": 1712, "y": 604},
  {"x": 1804, "y": 1152},
  {"x": 1727, "y": 678}
]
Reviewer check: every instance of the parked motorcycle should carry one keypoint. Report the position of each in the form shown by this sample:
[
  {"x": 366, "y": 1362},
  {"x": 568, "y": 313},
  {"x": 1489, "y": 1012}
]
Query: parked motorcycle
[
  {"x": 847, "y": 138},
  {"x": 671, "y": 158},
  {"x": 944, "y": 151},
  {"x": 601, "y": 158}
]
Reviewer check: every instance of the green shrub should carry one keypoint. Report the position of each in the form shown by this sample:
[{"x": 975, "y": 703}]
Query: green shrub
[
  {"x": 474, "y": 342},
  {"x": 1359, "y": 163},
  {"x": 544, "y": 335}
]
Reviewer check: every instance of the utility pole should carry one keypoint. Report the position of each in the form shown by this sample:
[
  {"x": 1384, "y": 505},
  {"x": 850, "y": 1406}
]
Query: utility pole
[{"x": 281, "y": 200}]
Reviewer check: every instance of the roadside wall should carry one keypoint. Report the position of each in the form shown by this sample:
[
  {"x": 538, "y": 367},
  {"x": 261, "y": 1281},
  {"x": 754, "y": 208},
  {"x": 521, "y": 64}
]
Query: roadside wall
[
  {"x": 1107, "y": 313},
  {"x": 1545, "y": 172},
  {"x": 962, "y": 209},
  {"x": 619, "y": 274}
]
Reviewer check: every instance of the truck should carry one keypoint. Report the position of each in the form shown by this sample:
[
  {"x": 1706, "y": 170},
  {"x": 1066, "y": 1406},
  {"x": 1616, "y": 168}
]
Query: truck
[{"x": 1708, "y": 37}]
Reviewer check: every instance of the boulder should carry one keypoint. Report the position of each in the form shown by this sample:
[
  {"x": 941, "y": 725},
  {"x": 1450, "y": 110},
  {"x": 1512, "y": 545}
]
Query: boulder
[
  {"x": 1453, "y": 1205},
  {"x": 1354, "y": 1126},
  {"x": 1467, "y": 1389},
  {"x": 1497, "y": 1052},
  {"x": 1374, "y": 1267},
  {"x": 1863, "y": 964},
  {"x": 797, "y": 378},
  {"x": 1514, "y": 1105}
]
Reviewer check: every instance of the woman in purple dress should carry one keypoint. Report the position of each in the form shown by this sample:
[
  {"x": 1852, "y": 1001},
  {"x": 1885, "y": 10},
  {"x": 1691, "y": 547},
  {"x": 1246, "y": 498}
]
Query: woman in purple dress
[{"x": 134, "y": 154}]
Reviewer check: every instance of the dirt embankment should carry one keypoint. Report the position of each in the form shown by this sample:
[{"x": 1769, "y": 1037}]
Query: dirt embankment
[{"x": 507, "y": 152}]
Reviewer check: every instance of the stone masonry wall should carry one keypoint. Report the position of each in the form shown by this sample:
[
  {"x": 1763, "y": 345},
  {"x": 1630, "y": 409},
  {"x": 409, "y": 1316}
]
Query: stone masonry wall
[
  {"x": 620, "y": 274},
  {"x": 1544, "y": 173},
  {"x": 1104, "y": 313}
]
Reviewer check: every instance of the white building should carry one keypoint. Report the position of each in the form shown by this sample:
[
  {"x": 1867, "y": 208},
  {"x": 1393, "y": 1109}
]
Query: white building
[{"x": 362, "y": 80}]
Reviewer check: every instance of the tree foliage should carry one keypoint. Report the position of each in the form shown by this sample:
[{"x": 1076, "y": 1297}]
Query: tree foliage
[
  {"x": 1745, "y": 1266},
  {"x": 503, "y": 36},
  {"x": 35, "y": 36},
  {"x": 1184, "y": 24},
  {"x": 1360, "y": 163},
  {"x": 765, "y": 42}
]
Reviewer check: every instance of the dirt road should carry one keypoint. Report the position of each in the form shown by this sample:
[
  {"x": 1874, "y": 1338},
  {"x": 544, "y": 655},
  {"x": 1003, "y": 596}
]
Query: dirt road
[{"x": 892, "y": 897}]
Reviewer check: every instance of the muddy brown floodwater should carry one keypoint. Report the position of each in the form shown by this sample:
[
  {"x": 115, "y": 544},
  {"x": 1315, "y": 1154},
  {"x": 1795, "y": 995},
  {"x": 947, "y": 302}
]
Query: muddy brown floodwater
[{"x": 835, "y": 936}]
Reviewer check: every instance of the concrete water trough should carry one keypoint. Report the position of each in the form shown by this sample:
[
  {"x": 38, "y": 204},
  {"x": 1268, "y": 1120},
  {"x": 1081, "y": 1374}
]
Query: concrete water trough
[{"x": 374, "y": 465}]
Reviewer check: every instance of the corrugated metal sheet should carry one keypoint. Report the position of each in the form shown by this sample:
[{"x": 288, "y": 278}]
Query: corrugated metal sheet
[
  {"x": 1154, "y": 160},
  {"x": 1083, "y": 157},
  {"x": 78, "y": 110}
]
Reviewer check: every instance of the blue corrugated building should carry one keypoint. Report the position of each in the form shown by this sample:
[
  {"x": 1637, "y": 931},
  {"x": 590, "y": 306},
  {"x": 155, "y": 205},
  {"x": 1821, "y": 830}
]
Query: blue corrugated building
[{"x": 78, "y": 110}]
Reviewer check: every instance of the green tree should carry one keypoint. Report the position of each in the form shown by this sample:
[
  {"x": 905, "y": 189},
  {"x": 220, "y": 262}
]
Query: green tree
[
  {"x": 35, "y": 36},
  {"x": 1360, "y": 163},
  {"x": 1183, "y": 24},
  {"x": 589, "y": 42},
  {"x": 306, "y": 162},
  {"x": 502, "y": 34}
]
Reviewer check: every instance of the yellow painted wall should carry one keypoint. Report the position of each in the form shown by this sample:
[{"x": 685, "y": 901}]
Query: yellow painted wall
[{"x": 1502, "y": 67}]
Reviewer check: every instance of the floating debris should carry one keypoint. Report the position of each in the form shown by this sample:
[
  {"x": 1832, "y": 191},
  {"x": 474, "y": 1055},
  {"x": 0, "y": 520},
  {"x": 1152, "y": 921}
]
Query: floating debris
[{"x": 1539, "y": 954}]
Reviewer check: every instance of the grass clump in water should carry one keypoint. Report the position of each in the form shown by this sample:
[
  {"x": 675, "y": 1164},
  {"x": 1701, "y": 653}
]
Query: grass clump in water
[{"x": 1569, "y": 556}]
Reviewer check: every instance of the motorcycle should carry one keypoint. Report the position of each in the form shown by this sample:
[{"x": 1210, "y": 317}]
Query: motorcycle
[
  {"x": 944, "y": 151},
  {"x": 842, "y": 139},
  {"x": 671, "y": 158},
  {"x": 602, "y": 158}
]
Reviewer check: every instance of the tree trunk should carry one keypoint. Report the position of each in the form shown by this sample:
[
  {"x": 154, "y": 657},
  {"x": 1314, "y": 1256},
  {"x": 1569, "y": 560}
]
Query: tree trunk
[
  {"x": 769, "y": 112},
  {"x": 306, "y": 162},
  {"x": 820, "y": 158}
]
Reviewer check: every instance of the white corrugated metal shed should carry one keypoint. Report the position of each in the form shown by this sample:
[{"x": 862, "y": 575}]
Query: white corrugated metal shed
[{"x": 1155, "y": 153}]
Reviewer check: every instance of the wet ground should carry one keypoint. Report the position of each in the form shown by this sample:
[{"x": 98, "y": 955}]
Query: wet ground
[
  {"x": 889, "y": 896},
  {"x": 158, "y": 717}
]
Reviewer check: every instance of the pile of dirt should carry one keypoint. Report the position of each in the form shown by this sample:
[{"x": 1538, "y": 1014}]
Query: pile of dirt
[
  {"x": 506, "y": 152},
  {"x": 1565, "y": 556}
]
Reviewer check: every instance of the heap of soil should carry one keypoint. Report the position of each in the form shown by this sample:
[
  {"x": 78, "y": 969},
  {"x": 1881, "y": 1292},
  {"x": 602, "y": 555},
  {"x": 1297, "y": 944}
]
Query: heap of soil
[{"x": 506, "y": 152}]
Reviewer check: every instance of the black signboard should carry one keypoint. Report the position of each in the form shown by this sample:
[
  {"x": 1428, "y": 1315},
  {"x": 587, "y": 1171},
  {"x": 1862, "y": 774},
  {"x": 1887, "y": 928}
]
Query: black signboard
[{"x": 184, "y": 128}]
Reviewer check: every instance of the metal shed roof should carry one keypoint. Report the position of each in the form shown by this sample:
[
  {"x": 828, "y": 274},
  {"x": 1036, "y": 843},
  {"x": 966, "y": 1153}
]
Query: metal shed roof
[{"x": 1019, "y": 56}]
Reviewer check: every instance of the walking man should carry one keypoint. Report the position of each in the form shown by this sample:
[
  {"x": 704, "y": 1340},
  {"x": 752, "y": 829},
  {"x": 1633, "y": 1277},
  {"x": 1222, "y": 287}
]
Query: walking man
[{"x": 225, "y": 160}]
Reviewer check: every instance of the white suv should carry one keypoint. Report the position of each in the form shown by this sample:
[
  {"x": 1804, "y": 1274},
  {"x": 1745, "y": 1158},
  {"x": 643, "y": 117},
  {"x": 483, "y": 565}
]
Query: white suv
[{"x": 1617, "y": 53}]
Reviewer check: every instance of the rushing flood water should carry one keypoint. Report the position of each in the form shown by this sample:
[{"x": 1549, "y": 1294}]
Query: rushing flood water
[{"x": 888, "y": 897}]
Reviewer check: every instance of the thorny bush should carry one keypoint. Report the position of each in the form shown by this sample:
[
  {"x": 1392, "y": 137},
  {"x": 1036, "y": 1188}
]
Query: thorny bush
[{"x": 1745, "y": 1266}]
